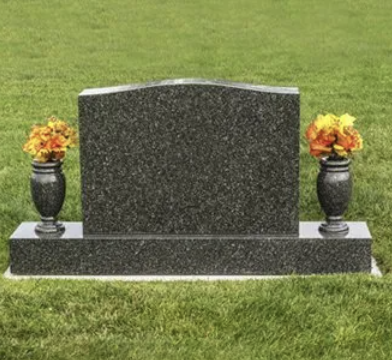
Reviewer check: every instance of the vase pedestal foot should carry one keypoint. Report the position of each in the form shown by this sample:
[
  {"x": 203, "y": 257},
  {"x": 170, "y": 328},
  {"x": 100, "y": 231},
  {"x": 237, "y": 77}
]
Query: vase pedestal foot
[
  {"x": 49, "y": 226},
  {"x": 334, "y": 225}
]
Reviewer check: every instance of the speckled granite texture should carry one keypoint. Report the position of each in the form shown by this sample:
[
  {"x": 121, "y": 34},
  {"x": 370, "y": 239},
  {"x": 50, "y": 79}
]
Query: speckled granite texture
[
  {"x": 71, "y": 254},
  {"x": 190, "y": 157}
]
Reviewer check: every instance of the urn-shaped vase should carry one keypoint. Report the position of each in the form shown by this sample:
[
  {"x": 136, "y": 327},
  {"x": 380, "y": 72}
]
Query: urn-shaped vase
[
  {"x": 47, "y": 183},
  {"x": 334, "y": 188}
]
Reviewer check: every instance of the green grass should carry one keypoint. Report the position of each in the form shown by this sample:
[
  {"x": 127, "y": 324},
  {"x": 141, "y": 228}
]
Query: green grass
[
  {"x": 337, "y": 52},
  {"x": 331, "y": 318}
]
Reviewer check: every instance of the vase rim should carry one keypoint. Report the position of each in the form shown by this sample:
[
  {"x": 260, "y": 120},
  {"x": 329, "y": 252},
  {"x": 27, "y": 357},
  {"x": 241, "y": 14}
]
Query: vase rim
[
  {"x": 48, "y": 164},
  {"x": 335, "y": 162}
]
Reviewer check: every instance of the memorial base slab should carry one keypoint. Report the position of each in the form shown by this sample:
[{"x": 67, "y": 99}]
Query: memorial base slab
[{"x": 72, "y": 253}]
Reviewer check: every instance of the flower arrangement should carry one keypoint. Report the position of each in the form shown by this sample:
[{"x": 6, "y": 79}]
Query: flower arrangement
[
  {"x": 333, "y": 136},
  {"x": 50, "y": 142}
]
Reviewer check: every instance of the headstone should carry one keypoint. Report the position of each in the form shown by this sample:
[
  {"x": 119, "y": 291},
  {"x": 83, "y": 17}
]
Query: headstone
[{"x": 190, "y": 177}]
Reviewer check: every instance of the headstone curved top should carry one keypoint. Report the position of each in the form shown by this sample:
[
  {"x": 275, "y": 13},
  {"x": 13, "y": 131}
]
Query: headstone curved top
[{"x": 190, "y": 157}]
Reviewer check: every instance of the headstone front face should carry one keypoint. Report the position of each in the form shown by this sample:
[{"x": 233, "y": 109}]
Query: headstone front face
[{"x": 189, "y": 157}]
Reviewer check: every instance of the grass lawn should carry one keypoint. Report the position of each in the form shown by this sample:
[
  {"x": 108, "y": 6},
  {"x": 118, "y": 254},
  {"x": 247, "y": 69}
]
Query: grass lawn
[{"x": 337, "y": 52}]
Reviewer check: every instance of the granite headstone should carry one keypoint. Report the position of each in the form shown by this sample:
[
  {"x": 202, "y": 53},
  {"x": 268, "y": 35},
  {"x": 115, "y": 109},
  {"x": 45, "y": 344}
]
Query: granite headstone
[{"x": 190, "y": 177}]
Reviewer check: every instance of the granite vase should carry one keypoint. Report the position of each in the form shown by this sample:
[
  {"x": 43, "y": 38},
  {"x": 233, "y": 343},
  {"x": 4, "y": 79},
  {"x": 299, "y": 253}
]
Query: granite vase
[
  {"x": 334, "y": 188},
  {"x": 47, "y": 184}
]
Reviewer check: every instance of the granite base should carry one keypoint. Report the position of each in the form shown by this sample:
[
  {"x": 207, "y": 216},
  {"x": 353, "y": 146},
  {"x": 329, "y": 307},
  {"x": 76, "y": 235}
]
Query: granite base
[{"x": 142, "y": 254}]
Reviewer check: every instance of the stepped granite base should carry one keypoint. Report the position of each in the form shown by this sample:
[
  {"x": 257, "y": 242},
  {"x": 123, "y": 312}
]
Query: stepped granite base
[{"x": 141, "y": 254}]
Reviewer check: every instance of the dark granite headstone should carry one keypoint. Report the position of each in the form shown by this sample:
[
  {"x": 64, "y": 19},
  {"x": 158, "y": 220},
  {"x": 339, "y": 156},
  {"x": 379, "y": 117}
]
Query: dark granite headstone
[
  {"x": 190, "y": 157},
  {"x": 190, "y": 177}
]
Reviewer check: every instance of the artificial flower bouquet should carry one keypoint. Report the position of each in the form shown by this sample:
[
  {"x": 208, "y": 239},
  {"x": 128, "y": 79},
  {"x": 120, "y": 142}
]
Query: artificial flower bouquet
[
  {"x": 50, "y": 142},
  {"x": 332, "y": 136}
]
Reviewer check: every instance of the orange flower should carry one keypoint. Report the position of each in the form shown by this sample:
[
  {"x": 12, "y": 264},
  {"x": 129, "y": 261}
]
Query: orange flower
[
  {"x": 50, "y": 142},
  {"x": 326, "y": 138},
  {"x": 311, "y": 132},
  {"x": 317, "y": 148}
]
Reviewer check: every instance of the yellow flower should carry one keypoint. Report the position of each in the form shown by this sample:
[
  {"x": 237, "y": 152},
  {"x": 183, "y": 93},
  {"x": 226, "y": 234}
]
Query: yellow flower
[
  {"x": 347, "y": 120},
  {"x": 43, "y": 155},
  {"x": 340, "y": 150},
  {"x": 323, "y": 122}
]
